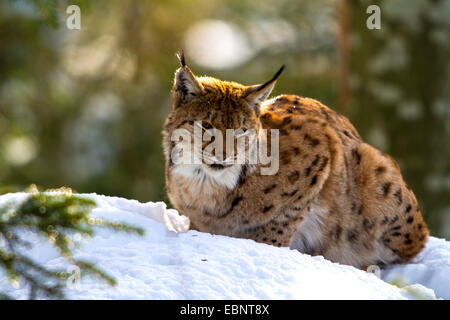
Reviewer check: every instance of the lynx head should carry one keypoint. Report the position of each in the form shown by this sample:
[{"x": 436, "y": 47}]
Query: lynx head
[{"x": 207, "y": 104}]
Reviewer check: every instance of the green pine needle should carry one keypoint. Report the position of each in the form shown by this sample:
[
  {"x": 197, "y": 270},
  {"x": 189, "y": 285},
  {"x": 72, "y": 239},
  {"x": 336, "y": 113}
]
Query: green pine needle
[{"x": 57, "y": 216}]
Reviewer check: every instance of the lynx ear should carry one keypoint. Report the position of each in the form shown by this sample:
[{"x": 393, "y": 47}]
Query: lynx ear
[
  {"x": 258, "y": 93},
  {"x": 186, "y": 86}
]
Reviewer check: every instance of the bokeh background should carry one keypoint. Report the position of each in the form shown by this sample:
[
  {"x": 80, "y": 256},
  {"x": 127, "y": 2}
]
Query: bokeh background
[{"x": 85, "y": 108}]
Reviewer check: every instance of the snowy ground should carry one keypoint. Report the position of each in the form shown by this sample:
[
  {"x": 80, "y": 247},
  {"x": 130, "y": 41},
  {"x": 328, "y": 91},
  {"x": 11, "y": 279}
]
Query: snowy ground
[{"x": 170, "y": 263}]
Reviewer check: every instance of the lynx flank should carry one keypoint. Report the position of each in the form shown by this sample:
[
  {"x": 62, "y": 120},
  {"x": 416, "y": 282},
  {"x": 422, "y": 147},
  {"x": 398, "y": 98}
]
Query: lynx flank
[{"x": 333, "y": 195}]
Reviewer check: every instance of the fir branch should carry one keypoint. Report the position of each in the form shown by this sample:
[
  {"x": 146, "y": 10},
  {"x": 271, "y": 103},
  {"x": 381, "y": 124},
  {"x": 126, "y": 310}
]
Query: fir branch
[{"x": 56, "y": 215}]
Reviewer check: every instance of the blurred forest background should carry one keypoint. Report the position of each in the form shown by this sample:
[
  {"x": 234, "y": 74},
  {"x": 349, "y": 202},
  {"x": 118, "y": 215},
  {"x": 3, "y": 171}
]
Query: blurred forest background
[{"x": 85, "y": 108}]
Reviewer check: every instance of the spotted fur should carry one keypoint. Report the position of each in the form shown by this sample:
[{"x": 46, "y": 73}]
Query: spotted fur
[{"x": 334, "y": 195}]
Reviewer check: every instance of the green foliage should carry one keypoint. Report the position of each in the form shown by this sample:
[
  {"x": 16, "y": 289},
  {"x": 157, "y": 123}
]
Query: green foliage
[
  {"x": 47, "y": 10},
  {"x": 56, "y": 215},
  {"x": 50, "y": 10}
]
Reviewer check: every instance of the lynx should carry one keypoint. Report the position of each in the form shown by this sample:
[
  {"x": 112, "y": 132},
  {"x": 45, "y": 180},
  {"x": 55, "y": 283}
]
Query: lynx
[{"x": 333, "y": 195}]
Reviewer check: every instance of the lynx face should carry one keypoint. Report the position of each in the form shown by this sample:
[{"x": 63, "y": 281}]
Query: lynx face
[
  {"x": 204, "y": 108},
  {"x": 334, "y": 195}
]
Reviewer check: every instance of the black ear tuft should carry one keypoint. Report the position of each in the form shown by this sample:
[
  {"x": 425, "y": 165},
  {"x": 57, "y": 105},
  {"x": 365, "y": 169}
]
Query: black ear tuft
[
  {"x": 186, "y": 87},
  {"x": 258, "y": 93},
  {"x": 180, "y": 56},
  {"x": 273, "y": 79}
]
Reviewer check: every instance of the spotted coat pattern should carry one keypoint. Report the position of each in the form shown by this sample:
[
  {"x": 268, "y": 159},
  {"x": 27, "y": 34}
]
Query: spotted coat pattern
[{"x": 334, "y": 195}]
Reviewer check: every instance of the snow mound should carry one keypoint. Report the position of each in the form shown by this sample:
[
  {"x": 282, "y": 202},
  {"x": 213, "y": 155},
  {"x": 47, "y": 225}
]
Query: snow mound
[
  {"x": 431, "y": 268},
  {"x": 170, "y": 262}
]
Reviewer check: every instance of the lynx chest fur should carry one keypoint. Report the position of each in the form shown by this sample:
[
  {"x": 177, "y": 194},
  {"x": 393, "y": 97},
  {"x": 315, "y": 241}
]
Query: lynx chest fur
[{"x": 330, "y": 194}]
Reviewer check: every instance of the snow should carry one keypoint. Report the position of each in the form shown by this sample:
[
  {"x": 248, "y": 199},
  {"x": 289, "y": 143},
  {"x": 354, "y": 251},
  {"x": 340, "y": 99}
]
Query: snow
[
  {"x": 170, "y": 262},
  {"x": 430, "y": 268}
]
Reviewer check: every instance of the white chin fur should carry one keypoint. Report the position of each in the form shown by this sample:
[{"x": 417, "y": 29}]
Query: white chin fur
[{"x": 202, "y": 174}]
